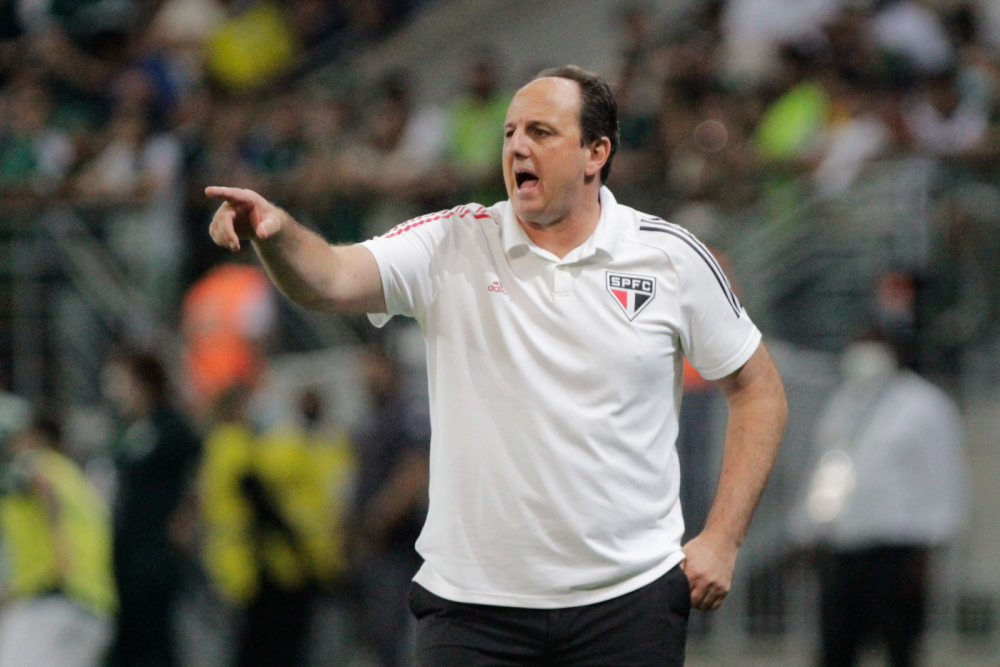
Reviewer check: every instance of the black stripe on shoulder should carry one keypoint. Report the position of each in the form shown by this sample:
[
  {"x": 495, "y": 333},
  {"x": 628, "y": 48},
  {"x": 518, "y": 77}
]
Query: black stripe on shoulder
[
  {"x": 706, "y": 252},
  {"x": 702, "y": 252},
  {"x": 694, "y": 239}
]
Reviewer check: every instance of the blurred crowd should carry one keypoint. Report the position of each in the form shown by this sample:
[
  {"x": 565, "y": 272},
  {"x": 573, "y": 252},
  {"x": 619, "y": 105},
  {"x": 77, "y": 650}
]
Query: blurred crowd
[{"x": 125, "y": 110}]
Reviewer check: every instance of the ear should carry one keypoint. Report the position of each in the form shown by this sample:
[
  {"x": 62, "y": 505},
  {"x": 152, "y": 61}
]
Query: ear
[{"x": 599, "y": 152}]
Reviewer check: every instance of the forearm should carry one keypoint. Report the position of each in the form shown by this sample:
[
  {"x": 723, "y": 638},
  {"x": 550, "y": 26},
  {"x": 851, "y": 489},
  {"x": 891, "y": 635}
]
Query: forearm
[
  {"x": 305, "y": 267},
  {"x": 752, "y": 438},
  {"x": 753, "y": 434},
  {"x": 298, "y": 262},
  {"x": 314, "y": 274}
]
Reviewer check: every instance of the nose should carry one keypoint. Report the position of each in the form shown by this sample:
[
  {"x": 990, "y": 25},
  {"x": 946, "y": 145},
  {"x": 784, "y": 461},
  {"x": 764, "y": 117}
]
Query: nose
[{"x": 516, "y": 144}]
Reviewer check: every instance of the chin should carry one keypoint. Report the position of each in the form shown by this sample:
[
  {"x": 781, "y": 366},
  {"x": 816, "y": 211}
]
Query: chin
[{"x": 528, "y": 213}]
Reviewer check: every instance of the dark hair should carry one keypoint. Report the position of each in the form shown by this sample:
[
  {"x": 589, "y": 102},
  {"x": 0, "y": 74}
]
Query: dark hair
[{"x": 598, "y": 109}]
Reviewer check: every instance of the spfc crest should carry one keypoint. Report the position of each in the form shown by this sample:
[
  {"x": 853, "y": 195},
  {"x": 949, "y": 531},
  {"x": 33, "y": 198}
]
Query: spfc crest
[{"x": 633, "y": 293}]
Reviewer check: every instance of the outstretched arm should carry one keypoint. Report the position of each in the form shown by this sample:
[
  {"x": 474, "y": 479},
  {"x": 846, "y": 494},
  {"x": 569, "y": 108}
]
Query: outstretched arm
[
  {"x": 306, "y": 268},
  {"x": 757, "y": 412}
]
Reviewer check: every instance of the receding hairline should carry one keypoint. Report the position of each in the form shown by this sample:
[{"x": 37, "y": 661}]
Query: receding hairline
[{"x": 576, "y": 86}]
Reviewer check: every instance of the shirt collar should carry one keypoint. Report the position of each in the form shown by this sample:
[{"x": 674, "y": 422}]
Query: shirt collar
[{"x": 605, "y": 239}]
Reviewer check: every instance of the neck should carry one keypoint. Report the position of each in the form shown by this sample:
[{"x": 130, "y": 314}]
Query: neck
[{"x": 565, "y": 234}]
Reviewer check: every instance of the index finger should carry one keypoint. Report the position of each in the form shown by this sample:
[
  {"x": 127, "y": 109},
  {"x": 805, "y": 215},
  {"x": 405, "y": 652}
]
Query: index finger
[{"x": 232, "y": 195}]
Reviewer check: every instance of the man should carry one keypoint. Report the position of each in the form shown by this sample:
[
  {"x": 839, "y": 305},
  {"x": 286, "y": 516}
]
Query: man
[
  {"x": 889, "y": 489},
  {"x": 155, "y": 454},
  {"x": 387, "y": 513},
  {"x": 557, "y": 324}
]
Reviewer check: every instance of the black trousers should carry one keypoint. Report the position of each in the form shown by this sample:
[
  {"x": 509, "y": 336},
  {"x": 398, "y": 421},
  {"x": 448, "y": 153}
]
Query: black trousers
[
  {"x": 144, "y": 633},
  {"x": 276, "y": 627},
  {"x": 645, "y": 628},
  {"x": 878, "y": 591}
]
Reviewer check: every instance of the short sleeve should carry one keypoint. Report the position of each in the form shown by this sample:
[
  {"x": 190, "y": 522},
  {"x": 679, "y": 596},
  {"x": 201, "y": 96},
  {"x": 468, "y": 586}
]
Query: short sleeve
[
  {"x": 717, "y": 335},
  {"x": 406, "y": 256}
]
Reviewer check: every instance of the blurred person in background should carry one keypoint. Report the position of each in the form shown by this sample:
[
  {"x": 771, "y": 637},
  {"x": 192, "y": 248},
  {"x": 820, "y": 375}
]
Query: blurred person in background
[
  {"x": 387, "y": 513},
  {"x": 35, "y": 156},
  {"x": 273, "y": 506},
  {"x": 215, "y": 137},
  {"x": 58, "y": 589},
  {"x": 327, "y": 131},
  {"x": 911, "y": 37},
  {"x": 137, "y": 176},
  {"x": 226, "y": 318},
  {"x": 641, "y": 70},
  {"x": 276, "y": 142},
  {"x": 861, "y": 130},
  {"x": 155, "y": 453},
  {"x": 889, "y": 488},
  {"x": 474, "y": 130},
  {"x": 392, "y": 161},
  {"x": 753, "y": 33},
  {"x": 944, "y": 120},
  {"x": 253, "y": 46}
]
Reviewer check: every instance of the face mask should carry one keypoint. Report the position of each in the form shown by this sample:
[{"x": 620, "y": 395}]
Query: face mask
[{"x": 867, "y": 363}]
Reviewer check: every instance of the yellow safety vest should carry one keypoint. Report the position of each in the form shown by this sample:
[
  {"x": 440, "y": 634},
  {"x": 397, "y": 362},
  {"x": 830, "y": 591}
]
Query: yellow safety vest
[
  {"x": 84, "y": 526},
  {"x": 308, "y": 479}
]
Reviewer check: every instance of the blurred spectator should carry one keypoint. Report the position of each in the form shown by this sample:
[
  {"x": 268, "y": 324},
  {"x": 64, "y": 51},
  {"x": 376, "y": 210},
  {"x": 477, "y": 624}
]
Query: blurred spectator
[
  {"x": 138, "y": 177},
  {"x": 155, "y": 453},
  {"x": 273, "y": 506},
  {"x": 639, "y": 75},
  {"x": 792, "y": 127},
  {"x": 702, "y": 150},
  {"x": 851, "y": 43},
  {"x": 221, "y": 148},
  {"x": 977, "y": 64},
  {"x": 80, "y": 43},
  {"x": 912, "y": 37},
  {"x": 637, "y": 83},
  {"x": 890, "y": 486},
  {"x": 388, "y": 510},
  {"x": 253, "y": 46},
  {"x": 336, "y": 212},
  {"x": 790, "y": 135},
  {"x": 944, "y": 122},
  {"x": 59, "y": 593},
  {"x": 392, "y": 163},
  {"x": 475, "y": 121},
  {"x": 177, "y": 36},
  {"x": 78, "y": 47},
  {"x": 34, "y": 156},
  {"x": 215, "y": 132},
  {"x": 225, "y": 318},
  {"x": 276, "y": 142},
  {"x": 859, "y": 133},
  {"x": 755, "y": 30}
]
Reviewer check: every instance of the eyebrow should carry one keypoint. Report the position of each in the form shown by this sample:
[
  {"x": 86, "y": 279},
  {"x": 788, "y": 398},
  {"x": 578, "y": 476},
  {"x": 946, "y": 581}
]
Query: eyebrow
[{"x": 533, "y": 124}]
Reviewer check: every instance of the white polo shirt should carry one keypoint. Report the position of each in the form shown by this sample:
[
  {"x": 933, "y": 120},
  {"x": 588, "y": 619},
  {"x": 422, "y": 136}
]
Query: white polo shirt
[{"x": 555, "y": 387}]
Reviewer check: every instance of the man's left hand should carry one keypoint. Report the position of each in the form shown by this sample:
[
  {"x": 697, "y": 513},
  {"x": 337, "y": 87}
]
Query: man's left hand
[{"x": 709, "y": 563}]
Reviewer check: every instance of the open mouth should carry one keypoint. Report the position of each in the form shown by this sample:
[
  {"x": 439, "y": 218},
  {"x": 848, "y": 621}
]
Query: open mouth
[{"x": 523, "y": 178}]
